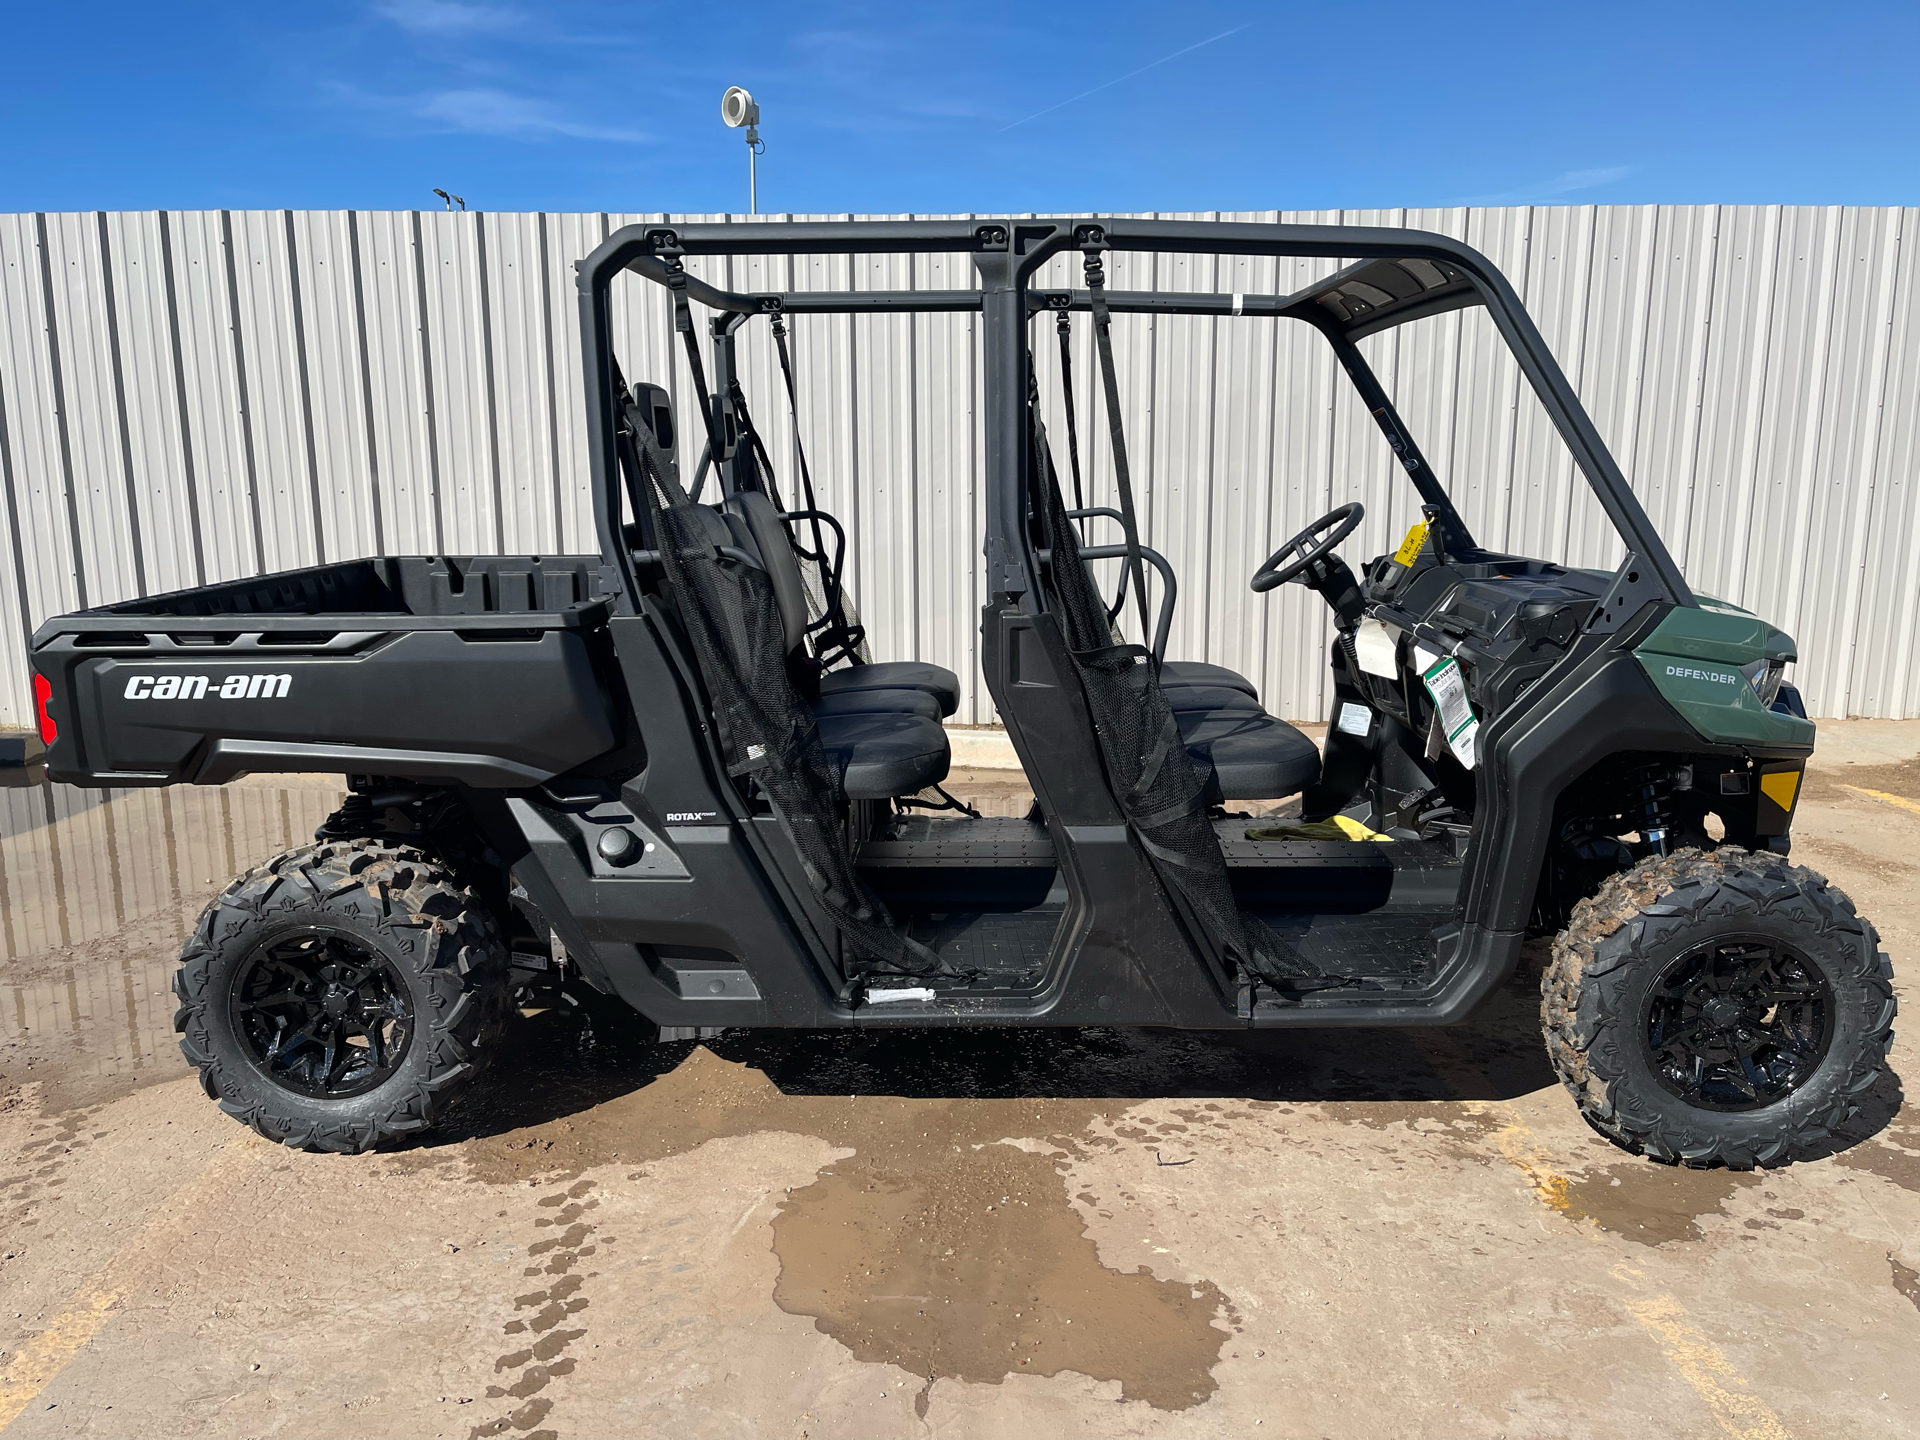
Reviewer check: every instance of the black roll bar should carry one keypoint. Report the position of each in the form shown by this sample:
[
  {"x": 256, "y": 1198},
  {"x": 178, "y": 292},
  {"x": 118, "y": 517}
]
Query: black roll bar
[{"x": 1007, "y": 253}]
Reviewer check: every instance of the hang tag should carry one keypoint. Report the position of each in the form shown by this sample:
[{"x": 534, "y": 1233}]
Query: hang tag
[
  {"x": 1376, "y": 648},
  {"x": 1411, "y": 547},
  {"x": 1448, "y": 687}
]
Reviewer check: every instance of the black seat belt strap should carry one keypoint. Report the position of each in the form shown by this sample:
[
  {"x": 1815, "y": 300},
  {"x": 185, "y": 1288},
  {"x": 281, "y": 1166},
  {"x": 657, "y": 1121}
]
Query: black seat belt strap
[
  {"x": 683, "y": 322},
  {"x": 1123, "y": 478},
  {"x": 793, "y": 408},
  {"x": 842, "y": 632},
  {"x": 1063, "y": 325}
]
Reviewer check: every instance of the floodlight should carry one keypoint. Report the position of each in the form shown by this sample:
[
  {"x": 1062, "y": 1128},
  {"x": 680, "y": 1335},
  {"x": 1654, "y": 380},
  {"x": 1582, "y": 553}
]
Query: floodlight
[
  {"x": 738, "y": 111},
  {"x": 737, "y": 108}
]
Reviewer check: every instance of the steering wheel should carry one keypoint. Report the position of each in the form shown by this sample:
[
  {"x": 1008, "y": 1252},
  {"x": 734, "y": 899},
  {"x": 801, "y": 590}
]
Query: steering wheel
[{"x": 1308, "y": 548}]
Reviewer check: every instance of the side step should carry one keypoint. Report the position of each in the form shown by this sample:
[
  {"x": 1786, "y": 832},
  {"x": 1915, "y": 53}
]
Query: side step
[{"x": 991, "y": 843}]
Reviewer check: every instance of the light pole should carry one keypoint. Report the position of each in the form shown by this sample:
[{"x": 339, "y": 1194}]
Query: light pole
[{"x": 739, "y": 112}]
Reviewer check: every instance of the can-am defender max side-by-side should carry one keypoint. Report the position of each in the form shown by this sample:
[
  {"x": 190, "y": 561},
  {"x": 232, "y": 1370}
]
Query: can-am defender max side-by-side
[{"x": 674, "y": 771}]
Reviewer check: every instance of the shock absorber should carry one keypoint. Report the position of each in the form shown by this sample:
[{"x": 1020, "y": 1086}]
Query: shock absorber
[
  {"x": 1655, "y": 786},
  {"x": 354, "y": 818}
]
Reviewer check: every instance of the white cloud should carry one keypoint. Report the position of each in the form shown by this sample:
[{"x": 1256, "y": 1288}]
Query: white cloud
[
  {"x": 481, "y": 111},
  {"x": 447, "y": 17},
  {"x": 1565, "y": 183},
  {"x": 495, "y": 112}
]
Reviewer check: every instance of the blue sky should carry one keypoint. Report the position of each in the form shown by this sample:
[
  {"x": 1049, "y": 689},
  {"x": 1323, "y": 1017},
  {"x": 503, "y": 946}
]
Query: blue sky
[{"x": 934, "y": 107}]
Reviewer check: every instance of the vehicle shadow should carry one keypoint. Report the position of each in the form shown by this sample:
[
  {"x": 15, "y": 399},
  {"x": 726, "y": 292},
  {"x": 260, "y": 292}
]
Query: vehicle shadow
[
  {"x": 563, "y": 1062},
  {"x": 559, "y": 1062}
]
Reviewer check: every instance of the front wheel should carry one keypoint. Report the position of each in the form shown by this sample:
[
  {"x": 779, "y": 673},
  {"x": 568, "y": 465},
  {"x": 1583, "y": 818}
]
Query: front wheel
[
  {"x": 341, "y": 994},
  {"x": 1717, "y": 1008}
]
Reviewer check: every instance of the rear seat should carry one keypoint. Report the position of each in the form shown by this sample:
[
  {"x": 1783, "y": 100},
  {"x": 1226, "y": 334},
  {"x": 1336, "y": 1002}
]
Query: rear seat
[
  {"x": 881, "y": 728},
  {"x": 934, "y": 680},
  {"x": 1179, "y": 674},
  {"x": 754, "y": 512}
]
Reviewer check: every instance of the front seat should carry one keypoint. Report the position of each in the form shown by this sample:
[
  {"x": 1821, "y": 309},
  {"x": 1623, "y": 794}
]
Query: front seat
[{"x": 1247, "y": 754}]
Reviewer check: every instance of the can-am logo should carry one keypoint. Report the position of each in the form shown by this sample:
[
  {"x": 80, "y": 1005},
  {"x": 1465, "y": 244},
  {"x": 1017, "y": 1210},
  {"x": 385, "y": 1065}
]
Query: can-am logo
[
  {"x": 1688, "y": 673},
  {"x": 201, "y": 687}
]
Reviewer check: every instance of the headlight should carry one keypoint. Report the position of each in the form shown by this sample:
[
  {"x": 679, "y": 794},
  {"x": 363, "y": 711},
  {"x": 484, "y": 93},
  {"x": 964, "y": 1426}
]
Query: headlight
[{"x": 1765, "y": 676}]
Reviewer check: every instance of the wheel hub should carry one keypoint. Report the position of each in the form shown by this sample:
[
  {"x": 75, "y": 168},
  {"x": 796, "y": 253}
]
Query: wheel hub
[
  {"x": 1737, "y": 1024},
  {"x": 1722, "y": 1013},
  {"x": 322, "y": 1015}
]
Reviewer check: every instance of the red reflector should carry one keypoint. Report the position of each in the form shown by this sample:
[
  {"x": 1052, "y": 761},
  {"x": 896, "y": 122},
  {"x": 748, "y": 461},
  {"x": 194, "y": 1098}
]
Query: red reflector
[{"x": 42, "y": 694}]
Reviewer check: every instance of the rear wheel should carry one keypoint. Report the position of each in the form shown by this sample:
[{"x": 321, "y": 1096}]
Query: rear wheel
[
  {"x": 1722, "y": 1008},
  {"x": 341, "y": 994}
]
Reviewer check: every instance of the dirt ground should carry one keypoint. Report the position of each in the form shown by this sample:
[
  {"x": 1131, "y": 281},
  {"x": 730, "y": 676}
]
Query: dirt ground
[{"x": 1376, "y": 1234}]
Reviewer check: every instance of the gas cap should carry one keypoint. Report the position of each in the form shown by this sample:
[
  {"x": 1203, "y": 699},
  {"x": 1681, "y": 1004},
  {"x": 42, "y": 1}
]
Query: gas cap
[{"x": 619, "y": 846}]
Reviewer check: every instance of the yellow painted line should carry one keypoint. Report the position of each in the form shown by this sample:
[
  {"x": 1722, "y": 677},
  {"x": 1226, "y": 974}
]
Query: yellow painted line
[
  {"x": 1516, "y": 1145},
  {"x": 1742, "y": 1415},
  {"x": 1900, "y": 801},
  {"x": 1701, "y": 1363},
  {"x": 39, "y": 1361},
  {"x": 35, "y": 1364}
]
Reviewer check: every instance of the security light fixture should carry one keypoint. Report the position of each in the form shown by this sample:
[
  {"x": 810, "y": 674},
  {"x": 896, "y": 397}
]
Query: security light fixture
[{"x": 738, "y": 111}]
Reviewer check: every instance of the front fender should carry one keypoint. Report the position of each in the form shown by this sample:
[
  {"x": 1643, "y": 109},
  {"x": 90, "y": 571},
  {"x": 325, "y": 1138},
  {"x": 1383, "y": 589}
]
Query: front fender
[{"x": 1597, "y": 703}]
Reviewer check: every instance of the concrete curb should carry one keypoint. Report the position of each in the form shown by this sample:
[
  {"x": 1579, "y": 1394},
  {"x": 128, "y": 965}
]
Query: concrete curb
[{"x": 982, "y": 748}]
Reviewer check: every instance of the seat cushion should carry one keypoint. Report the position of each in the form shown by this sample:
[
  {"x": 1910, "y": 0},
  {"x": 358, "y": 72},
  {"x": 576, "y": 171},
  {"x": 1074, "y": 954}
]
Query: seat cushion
[
  {"x": 935, "y": 680},
  {"x": 885, "y": 755},
  {"x": 1199, "y": 672},
  {"x": 1248, "y": 755},
  {"x": 1209, "y": 697},
  {"x": 879, "y": 702}
]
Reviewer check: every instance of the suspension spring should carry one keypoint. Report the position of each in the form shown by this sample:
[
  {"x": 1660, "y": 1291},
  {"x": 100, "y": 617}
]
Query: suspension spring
[
  {"x": 354, "y": 818},
  {"x": 1654, "y": 787}
]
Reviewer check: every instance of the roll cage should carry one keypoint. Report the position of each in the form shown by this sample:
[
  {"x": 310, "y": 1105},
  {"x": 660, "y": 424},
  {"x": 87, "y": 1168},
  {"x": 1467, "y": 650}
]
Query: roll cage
[{"x": 1393, "y": 276}]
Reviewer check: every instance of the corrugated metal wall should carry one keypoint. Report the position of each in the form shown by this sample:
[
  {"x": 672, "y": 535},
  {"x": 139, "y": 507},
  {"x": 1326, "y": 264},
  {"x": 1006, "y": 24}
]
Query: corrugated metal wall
[
  {"x": 188, "y": 397},
  {"x": 97, "y": 886}
]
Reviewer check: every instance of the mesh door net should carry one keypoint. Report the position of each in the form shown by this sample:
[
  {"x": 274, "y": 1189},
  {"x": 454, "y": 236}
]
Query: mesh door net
[
  {"x": 1159, "y": 787},
  {"x": 835, "y": 633},
  {"x": 767, "y": 732}
]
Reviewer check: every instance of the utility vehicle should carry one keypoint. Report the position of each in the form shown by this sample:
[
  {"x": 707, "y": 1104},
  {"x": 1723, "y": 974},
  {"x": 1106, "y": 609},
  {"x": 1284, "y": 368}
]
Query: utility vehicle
[{"x": 673, "y": 769}]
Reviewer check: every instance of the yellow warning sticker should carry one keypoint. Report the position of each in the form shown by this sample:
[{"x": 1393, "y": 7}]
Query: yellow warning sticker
[
  {"x": 1781, "y": 788},
  {"x": 1411, "y": 546}
]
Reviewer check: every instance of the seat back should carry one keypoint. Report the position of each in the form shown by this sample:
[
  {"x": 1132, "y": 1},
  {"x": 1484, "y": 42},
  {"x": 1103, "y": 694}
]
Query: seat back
[{"x": 751, "y": 515}]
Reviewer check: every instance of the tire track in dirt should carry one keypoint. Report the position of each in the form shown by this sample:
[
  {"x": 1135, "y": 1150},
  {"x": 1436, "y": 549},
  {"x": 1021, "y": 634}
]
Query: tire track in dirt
[
  {"x": 541, "y": 1358},
  {"x": 35, "y": 1180}
]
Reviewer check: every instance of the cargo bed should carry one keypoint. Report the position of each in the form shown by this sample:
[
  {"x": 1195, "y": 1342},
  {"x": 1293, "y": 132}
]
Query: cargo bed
[{"x": 483, "y": 671}]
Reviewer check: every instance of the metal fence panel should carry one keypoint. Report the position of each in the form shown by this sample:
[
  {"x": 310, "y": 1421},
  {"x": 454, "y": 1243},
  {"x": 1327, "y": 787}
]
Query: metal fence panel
[{"x": 194, "y": 396}]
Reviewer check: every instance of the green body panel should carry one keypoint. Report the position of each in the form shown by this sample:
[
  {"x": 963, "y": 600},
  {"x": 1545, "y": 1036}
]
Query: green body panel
[{"x": 1694, "y": 657}]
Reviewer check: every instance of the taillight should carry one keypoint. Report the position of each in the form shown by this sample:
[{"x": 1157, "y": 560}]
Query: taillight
[{"x": 43, "y": 696}]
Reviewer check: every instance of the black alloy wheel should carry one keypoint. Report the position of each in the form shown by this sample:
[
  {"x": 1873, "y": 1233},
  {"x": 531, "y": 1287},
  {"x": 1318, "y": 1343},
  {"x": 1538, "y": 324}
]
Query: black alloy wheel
[
  {"x": 1738, "y": 1023},
  {"x": 322, "y": 1015},
  {"x": 1719, "y": 1007}
]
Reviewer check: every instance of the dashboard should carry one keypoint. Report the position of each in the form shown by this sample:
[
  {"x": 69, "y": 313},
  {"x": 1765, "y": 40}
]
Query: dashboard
[{"x": 1506, "y": 620}]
